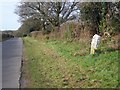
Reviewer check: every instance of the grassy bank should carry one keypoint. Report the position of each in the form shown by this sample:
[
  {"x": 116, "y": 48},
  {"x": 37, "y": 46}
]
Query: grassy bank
[{"x": 66, "y": 64}]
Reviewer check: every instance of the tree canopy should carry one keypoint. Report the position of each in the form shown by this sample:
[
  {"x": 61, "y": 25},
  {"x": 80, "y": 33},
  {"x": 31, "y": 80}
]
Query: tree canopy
[
  {"x": 101, "y": 16},
  {"x": 53, "y": 13},
  {"x": 104, "y": 16}
]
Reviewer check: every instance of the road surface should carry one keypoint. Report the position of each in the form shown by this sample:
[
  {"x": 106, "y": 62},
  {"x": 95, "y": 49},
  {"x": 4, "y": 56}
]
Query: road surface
[{"x": 11, "y": 62}]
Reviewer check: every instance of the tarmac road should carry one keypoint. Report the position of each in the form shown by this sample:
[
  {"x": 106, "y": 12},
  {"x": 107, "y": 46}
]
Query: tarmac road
[{"x": 11, "y": 62}]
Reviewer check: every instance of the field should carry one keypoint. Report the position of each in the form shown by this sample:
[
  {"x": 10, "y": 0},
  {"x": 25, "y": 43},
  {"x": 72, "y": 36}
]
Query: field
[{"x": 66, "y": 64}]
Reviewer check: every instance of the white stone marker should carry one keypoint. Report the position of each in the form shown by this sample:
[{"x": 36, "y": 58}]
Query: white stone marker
[{"x": 95, "y": 43}]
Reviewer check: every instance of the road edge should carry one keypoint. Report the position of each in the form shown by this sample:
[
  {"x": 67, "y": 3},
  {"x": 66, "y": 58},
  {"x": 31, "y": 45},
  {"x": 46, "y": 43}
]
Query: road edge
[{"x": 21, "y": 68}]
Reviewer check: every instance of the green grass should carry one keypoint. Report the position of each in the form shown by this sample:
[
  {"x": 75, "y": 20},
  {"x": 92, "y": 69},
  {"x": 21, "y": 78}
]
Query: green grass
[{"x": 59, "y": 63}]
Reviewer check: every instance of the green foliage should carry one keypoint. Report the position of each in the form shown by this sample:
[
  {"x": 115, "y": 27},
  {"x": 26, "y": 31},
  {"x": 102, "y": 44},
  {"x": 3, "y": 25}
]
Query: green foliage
[
  {"x": 102, "y": 16},
  {"x": 115, "y": 26},
  {"x": 102, "y": 26},
  {"x": 24, "y": 35},
  {"x": 91, "y": 13}
]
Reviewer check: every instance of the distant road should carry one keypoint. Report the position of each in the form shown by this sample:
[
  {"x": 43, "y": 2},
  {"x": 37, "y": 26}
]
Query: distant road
[{"x": 11, "y": 62}]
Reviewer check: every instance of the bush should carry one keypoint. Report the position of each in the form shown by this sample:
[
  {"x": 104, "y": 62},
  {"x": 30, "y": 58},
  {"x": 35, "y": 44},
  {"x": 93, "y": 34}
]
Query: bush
[
  {"x": 47, "y": 37},
  {"x": 24, "y": 35}
]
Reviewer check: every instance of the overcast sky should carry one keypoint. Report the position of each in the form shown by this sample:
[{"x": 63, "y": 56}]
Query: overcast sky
[{"x": 8, "y": 19}]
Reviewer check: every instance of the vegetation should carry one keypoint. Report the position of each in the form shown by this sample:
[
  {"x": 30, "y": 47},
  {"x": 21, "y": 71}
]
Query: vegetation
[
  {"x": 27, "y": 27},
  {"x": 49, "y": 16},
  {"x": 101, "y": 16},
  {"x": 57, "y": 38},
  {"x": 56, "y": 63},
  {"x": 4, "y": 35}
]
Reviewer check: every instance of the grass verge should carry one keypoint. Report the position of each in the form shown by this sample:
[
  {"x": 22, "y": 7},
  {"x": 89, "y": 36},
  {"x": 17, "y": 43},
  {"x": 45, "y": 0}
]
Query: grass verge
[{"x": 63, "y": 64}]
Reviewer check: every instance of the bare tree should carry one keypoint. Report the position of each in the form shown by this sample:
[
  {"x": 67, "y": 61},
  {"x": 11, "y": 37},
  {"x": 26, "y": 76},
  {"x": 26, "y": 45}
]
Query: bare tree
[{"x": 53, "y": 13}]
